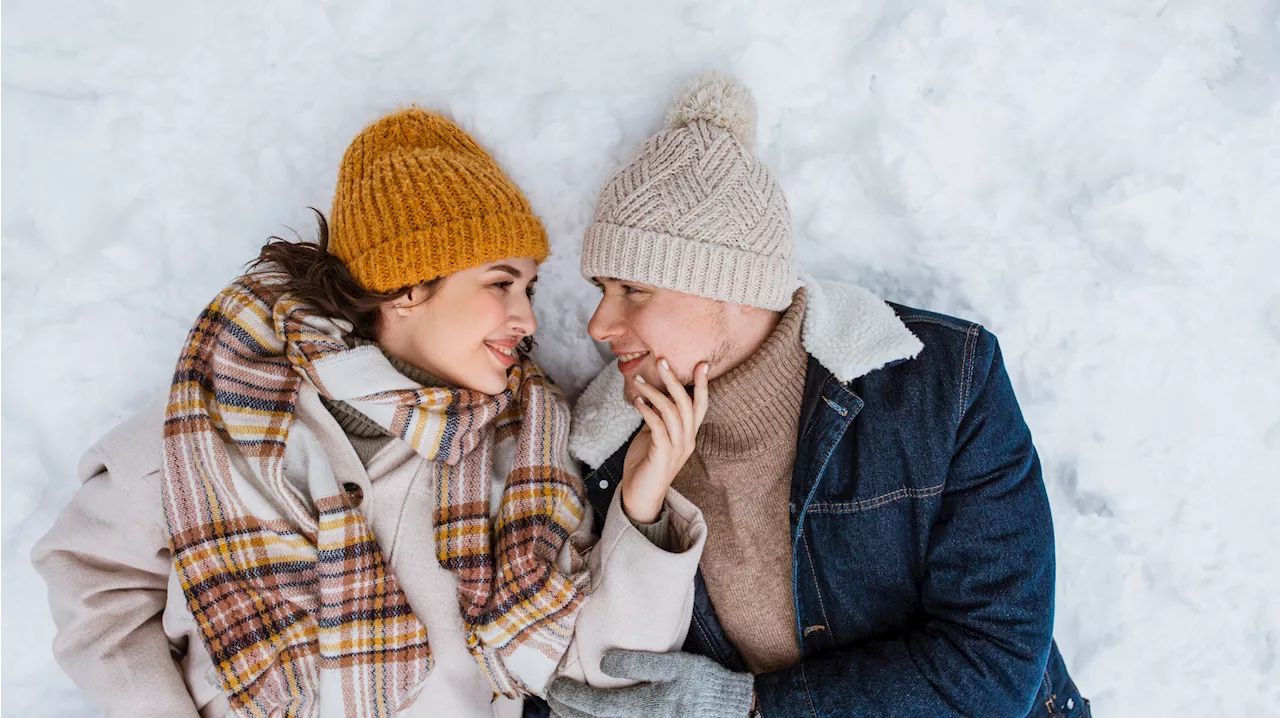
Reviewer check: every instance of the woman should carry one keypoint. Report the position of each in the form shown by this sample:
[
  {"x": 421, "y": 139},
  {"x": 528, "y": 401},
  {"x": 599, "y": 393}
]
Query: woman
[{"x": 355, "y": 498}]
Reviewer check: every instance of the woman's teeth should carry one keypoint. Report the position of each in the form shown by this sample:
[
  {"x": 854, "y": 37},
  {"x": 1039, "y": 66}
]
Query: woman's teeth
[
  {"x": 509, "y": 352},
  {"x": 629, "y": 357}
]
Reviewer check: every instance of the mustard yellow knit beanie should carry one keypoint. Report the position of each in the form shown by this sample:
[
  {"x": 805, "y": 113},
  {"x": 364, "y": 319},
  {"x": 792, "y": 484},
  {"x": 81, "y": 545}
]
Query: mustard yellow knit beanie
[{"x": 418, "y": 199}]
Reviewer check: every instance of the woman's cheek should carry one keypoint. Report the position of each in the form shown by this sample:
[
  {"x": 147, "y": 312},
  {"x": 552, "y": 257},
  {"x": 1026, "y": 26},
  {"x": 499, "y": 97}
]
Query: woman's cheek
[{"x": 491, "y": 320}]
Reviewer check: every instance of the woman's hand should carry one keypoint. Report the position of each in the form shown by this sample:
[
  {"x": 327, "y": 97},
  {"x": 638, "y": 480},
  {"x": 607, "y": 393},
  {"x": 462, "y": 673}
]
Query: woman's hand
[{"x": 665, "y": 443}]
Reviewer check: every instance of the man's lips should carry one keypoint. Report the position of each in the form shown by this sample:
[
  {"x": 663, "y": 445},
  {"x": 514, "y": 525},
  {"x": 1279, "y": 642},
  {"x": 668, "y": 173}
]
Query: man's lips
[{"x": 630, "y": 360}]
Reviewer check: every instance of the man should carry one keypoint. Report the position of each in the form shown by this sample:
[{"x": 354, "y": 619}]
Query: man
[{"x": 879, "y": 537}]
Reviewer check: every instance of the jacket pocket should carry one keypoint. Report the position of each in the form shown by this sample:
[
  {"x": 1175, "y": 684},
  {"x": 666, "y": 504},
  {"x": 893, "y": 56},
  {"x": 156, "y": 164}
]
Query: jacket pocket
[{"x": 877, "y": 501}]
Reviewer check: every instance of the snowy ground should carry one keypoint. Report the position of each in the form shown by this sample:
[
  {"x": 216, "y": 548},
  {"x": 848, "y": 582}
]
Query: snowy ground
[{"x": 1098, "y": 181}]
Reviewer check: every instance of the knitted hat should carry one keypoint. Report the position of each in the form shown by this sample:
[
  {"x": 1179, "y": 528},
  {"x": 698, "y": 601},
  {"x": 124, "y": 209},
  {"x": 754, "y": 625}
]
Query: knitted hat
[
  {"x": 694, "y": 210},
  {"x": 417, "y": 199}
]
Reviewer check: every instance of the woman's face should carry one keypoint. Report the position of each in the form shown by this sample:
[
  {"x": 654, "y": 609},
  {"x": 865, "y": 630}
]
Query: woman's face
[{"x": 466, "y": 332}]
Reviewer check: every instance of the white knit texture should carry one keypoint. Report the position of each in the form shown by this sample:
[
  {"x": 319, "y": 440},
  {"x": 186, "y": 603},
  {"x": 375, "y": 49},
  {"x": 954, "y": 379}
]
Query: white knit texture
[
  {"x": 720, "y": 100},
  {"x": 695, "y": 211}
]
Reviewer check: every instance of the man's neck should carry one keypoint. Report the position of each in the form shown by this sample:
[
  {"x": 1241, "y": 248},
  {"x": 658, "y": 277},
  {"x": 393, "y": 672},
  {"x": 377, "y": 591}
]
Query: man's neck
[
  {"x": 759, "y": 401},
  {"x": 749, "y": 333}
]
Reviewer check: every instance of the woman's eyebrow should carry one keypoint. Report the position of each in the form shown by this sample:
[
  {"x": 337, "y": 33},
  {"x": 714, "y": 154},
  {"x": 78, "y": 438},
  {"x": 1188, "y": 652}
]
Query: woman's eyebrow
[{"x": 508, "y": 269}]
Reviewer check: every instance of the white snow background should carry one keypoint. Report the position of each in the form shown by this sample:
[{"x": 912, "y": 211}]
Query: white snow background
[{"x": 1097, "y": 181}]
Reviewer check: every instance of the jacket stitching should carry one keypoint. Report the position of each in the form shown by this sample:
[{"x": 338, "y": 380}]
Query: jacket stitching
[
  {"x": 1050, "y": 703},
  {"x": 821, "y": 606},
  {"x": 961, "y": 389},
  {"x": 964, "y": 358},
  {"x": 919, "y": 319},
  {"x": 855, "y": 506},
  {"x": 697, "y": 622},
  {"x": 807, "y": 431},
  {"x": 807, "y": 694},
  {"x": 973, "y": 360}
]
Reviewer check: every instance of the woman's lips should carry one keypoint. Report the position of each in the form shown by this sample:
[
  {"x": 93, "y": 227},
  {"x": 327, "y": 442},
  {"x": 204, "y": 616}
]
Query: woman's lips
[
  {"x": 629, "y": 361},
  {"x": 506, "y": 356}
]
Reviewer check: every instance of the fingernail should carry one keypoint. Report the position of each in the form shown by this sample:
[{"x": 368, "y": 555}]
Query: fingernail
[
  {"x": 639, "y": 379},
  {"x": 639, "y": 401},
  {"x": 665, "y": 366},
  {"x": 706, "y": 368}
]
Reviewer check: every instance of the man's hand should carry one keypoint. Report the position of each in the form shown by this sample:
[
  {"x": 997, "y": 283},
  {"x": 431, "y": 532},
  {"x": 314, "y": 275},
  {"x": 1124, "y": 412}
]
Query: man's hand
[
  {"x": 665, "y": 443},
  {"x": 672, "y": 684}
]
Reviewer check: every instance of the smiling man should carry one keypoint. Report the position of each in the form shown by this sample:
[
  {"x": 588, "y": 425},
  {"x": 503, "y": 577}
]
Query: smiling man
[{"x": 879, "y": 539}]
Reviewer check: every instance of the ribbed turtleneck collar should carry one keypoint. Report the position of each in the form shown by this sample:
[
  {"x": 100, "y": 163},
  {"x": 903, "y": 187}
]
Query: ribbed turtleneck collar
[{"x": 757, "y": 404}]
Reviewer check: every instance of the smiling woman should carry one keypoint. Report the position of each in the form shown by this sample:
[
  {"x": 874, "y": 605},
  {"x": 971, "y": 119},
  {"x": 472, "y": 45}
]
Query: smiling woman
[
  {"x": 356, "y": 436},
  {"x": 469, "y": 328},
  {"x": 454, "y": 327}
]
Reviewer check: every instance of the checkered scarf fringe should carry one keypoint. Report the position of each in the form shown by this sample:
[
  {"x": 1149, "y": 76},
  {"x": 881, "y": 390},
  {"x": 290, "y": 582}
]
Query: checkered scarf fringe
[{"x": 293, "y": 597}]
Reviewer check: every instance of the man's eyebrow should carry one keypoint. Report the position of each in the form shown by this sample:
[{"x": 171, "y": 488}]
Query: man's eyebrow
[{"x": 508, "y": 269}]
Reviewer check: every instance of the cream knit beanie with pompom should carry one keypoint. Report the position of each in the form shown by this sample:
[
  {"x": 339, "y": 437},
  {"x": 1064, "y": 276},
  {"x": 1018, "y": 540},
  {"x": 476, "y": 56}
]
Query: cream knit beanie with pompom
[{"x": 694, "y": 210}]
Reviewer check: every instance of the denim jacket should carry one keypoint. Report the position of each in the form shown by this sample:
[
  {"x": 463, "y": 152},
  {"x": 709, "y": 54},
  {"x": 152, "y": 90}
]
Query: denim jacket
[{"x": 922, "y": 544}]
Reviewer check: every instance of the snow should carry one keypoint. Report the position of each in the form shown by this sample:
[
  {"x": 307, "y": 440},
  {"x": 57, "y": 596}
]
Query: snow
[{"x": 1097, "y": 181}]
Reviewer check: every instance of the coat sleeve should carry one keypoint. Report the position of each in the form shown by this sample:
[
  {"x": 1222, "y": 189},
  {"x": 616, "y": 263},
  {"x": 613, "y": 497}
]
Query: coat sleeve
[
  {"x": 987, "y": 591},
  {"x": 106, "y": 563},
  {"x": 641, "y": 594}
]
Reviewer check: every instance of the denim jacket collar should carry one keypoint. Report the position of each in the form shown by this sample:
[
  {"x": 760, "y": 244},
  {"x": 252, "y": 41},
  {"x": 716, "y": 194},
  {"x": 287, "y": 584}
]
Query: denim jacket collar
[{"x": 847, "y": 330}]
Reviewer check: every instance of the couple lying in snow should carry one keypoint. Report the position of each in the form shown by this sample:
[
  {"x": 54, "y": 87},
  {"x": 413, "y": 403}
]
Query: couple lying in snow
[{"x": 360, "y": 496}]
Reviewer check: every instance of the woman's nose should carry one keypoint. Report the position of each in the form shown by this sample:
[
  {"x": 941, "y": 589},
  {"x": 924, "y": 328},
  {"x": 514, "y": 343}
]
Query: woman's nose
[{"x": 524, "y": 321}]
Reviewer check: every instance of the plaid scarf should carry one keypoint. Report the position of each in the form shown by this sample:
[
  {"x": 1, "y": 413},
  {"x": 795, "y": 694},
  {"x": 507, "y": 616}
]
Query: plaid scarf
[{"x": 296, "y": 604}]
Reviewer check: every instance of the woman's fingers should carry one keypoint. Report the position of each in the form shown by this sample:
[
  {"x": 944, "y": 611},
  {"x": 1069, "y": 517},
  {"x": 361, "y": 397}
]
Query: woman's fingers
[
  {"x": 657, "y": 428},
  {"x": 665, "y": 407},
  {"x": 700, "y": 381},
  {"x": 678, "y": 395}
]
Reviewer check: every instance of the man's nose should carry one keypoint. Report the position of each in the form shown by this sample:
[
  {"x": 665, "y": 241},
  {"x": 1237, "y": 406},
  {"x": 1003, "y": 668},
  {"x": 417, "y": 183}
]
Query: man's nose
[{"x": 604, "y": 324}]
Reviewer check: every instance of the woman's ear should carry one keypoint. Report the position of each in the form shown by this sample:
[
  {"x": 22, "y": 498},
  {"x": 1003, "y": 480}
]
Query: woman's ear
[{"x": 402, "y": 305}]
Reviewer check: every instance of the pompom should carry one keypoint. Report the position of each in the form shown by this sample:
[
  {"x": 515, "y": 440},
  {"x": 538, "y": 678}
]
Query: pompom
[{"x": 720, "y": 100}]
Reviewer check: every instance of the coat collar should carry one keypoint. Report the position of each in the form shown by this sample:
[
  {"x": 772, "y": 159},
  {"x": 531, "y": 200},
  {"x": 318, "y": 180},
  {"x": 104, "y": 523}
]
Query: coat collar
[{"x": 847, "y": 329}]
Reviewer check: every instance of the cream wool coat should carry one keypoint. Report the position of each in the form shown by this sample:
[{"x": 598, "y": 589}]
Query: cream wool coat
[{"x": 127, "y": 639}]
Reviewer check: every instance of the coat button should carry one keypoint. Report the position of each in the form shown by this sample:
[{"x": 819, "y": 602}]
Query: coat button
[
  {"x": 604, "y": 484},
  {"x": 355, "y": 492},
  {"x": 1071, "y": 703}
]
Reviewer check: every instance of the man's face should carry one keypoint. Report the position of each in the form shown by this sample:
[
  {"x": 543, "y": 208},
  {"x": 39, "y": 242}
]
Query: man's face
[{"x": 643, "y": 324}]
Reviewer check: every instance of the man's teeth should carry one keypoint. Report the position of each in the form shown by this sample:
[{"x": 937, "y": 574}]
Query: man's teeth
[{"x": 629, "y": 357}]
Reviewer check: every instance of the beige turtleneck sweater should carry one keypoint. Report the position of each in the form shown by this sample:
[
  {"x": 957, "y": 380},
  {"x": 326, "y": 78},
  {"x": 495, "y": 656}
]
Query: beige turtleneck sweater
[{"x": 740, "y": 476}]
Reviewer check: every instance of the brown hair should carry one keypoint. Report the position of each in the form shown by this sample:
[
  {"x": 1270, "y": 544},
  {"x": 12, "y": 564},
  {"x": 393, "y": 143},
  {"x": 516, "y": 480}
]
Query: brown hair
[{"x": 320, "y": 279}]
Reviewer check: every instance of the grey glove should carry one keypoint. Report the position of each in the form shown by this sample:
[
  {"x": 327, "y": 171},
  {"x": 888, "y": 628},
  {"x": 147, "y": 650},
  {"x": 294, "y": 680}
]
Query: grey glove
[{"x": 672, "y": 684}]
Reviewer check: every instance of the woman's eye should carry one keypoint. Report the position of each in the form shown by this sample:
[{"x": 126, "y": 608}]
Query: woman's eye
[
  {"x": 626, "y": 289},
  {"x": 504, "y": 286},
  {"x": 530, "y": 292}
]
